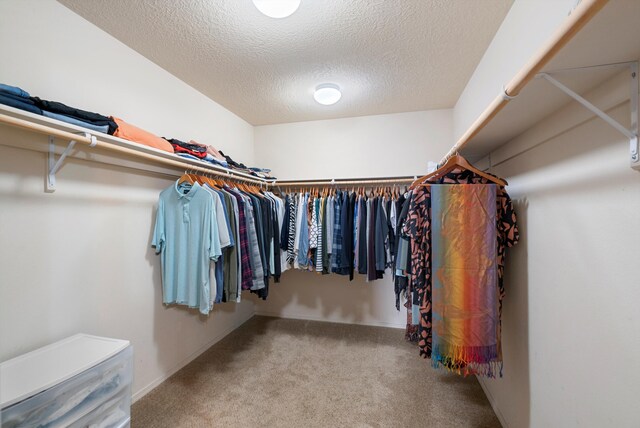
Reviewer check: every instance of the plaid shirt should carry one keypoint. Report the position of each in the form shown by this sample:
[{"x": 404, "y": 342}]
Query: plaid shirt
[{"x": 245, "y": 263}]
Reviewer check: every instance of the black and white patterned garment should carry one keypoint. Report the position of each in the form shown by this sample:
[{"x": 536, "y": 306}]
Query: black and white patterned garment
[
  {"x": 319, "y": 220},
  {"x": 313, "y": 228},
  {"x": 293, "y": 207}
]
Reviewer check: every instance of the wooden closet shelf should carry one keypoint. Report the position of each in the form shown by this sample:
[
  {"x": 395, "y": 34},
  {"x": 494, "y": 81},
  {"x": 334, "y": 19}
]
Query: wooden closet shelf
[
  {"x": 598, "y": 32},
  {"x": 131, "y": 150}
]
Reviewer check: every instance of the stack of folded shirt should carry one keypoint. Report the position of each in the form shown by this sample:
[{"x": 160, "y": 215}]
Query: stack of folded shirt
[
  {"x": 19, "y": 98},
  {"x": 261, "y": 172},
  {"x": 86, "y": 119},
  {"x": 13, "y": 96},
  {"x": 195, "y": 150},
  {"x": 216, "y": 154},
  {"x": 213, "y": 155}
]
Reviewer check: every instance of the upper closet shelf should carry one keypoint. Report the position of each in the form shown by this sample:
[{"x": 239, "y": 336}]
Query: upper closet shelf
[
  {"x": 71, "y": 135},
  {"x": 605, "y": 46}
]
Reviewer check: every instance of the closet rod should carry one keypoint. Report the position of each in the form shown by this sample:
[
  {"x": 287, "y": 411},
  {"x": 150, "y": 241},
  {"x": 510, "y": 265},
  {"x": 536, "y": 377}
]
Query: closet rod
[
  {"x": 346, "y": 181},
  {"x": 581, "y": 15},
  {"x": 87, "y": 140}
]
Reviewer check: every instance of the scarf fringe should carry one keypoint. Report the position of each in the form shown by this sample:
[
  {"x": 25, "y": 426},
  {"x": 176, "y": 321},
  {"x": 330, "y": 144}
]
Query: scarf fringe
[{"x": 468, "y": 360}]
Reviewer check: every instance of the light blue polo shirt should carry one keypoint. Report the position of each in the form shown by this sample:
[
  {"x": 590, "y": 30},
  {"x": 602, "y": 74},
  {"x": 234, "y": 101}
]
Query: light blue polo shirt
[{"x": 186, "y": 237}]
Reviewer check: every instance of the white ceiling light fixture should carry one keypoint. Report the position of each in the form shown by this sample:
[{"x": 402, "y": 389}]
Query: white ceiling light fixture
[
  {"x": 327, "y": 94},
  {"x": 277, "y": 8}
]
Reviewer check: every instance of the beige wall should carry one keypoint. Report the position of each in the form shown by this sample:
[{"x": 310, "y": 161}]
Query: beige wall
[
  {"x": 79, "y": 260},
  {"x": 571, "y": 324},
  {"x": 370, "y": 146}
]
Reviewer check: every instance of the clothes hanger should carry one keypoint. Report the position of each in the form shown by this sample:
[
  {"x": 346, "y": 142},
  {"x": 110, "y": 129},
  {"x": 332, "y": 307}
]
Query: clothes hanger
[
  {"x": 185, "y": 178},
  {"x": 213, "y": 183},
  {"x": 453, "y": 162},
  {"x": 195, "y": 177},
  {"x": 205, "y": 179}
]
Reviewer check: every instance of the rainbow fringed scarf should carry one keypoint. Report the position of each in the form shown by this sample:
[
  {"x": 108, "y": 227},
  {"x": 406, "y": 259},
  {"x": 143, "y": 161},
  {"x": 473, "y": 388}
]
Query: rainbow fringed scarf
[{"x": 466, "y": 330}]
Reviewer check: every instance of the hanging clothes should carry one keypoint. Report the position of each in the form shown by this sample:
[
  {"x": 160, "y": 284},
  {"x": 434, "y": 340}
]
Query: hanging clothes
[
  {"x": 338, "y": 233},
  {"x": 418, "y": 228},
  {"x": 186, "y": 237},
  {"x": 215, "y": 242}
]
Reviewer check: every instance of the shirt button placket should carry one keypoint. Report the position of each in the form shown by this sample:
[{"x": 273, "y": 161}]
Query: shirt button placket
[{"x": 185, "y": 213}]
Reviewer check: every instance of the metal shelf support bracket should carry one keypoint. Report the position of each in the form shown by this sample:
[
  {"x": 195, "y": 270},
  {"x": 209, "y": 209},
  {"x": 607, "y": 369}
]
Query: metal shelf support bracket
[
  {"x": 53, "y": 165},
  {"x": 631, "y": 134}
]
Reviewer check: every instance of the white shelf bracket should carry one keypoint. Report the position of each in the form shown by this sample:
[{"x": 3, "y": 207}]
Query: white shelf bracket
[
  {"x": 53, "y": 165},
  {"x": 631, "y": 134}
]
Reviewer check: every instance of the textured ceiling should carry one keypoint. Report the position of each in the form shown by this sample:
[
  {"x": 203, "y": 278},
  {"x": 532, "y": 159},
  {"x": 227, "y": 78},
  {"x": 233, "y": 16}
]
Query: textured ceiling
[{"x": 388, "y": 56}]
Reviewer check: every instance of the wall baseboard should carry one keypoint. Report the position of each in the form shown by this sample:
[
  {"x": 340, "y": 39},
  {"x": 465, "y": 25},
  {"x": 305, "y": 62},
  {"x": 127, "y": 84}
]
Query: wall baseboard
[
  {"x": 321, "y": 319},
  {"x": 145, "y": 390},
  {"x": 493, "y": 403}
]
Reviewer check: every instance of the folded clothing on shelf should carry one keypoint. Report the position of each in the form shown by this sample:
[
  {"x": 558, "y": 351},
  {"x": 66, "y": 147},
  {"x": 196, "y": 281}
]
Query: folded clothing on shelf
[
  {"x": 179, "y": 149},
  {"x": 216, "y": 161},
  {"x": 18, "y": 102},
  {"x": 207, "y": 158},
  {"x": 14, "y": 90},
  {"x": 213, "y": 152},
  {"x": 257, "y": 172},
  {"x": 19, "y": 98},
  {"x": 188, "y": 156},
  {"x": 138, "y": 135},
  {"x": 199, "y": 148},
  {"x": 15, "y": 97},
  {"x": 233, "y": 163},
  {"x": 195, "y": 150},
  {"x": 263, "y": 175},
  {"x": 73, "y": 121},
  {"x": 253, "y": 168},
  {"x": 82, "y": 115}
]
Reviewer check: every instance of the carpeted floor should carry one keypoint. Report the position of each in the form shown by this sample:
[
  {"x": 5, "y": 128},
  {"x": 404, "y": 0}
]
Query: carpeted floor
[{"x": 274, "y": 372}]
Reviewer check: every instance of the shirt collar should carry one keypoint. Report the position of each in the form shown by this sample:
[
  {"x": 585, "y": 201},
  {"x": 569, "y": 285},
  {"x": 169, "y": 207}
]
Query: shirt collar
[{"x": 189, "y": 194}]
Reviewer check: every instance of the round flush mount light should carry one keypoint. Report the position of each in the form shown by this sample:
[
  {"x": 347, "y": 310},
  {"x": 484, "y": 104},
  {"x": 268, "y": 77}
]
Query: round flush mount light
[
  {"x": 327, "y": 94},
  {"x": 277, "y": 8}
]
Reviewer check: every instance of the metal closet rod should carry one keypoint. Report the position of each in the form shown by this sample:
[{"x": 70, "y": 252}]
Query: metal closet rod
[
  {"x": 580, "y": 16},
  {"x": 96, "y": 142},
  {"x": 346, "y": 181}
]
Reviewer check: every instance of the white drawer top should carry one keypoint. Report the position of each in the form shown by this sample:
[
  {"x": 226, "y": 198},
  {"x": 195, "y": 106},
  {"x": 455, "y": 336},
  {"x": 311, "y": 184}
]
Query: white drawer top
[{"x": 36, "y": 371}]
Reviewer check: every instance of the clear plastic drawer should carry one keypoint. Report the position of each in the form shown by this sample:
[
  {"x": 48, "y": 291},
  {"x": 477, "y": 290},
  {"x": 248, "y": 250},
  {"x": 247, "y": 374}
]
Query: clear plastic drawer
[{"x": 99, "y": 397}]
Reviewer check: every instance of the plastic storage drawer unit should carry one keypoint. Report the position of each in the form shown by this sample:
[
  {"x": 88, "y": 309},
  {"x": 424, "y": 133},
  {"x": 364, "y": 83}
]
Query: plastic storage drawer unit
[{"x": 81, "y": 381}]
